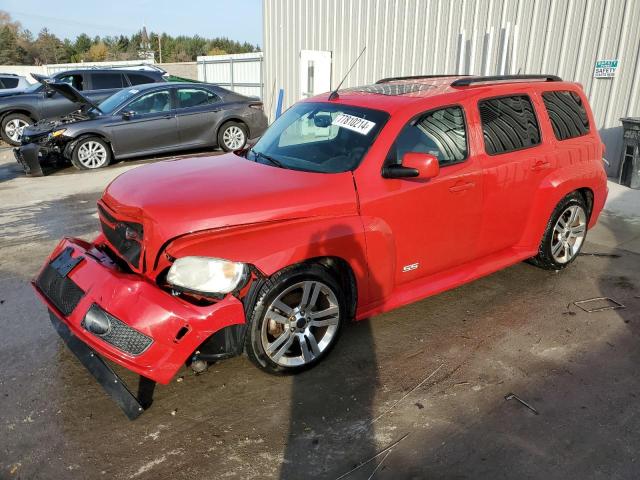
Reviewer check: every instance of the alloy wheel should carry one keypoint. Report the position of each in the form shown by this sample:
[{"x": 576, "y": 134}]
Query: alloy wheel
[
  {"x": 14, "y": 129},
  {"x": 92, "y": 154},
  {"x": 233, "y": 137},
  {"x": 568, "y": 234},
  {"x": 300, "y": 323}
]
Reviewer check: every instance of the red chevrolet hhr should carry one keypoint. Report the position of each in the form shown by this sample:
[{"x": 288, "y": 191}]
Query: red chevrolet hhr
[{"x": 351, "y": 204}]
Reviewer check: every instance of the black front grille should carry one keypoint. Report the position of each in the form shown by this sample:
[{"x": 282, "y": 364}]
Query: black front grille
[
  {"x": 119, "y": 234},
  {"x": 122, "y": 336},
  {"x": 61, "y": 291}
]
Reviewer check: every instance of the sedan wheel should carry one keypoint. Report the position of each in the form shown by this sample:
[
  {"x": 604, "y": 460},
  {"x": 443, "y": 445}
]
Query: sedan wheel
[
  {"x": 300, "y": 324},
  {"x": 92, "y": 154},
  {"x": 233, "y": 137},
  {"x": 568, "y": 234}
]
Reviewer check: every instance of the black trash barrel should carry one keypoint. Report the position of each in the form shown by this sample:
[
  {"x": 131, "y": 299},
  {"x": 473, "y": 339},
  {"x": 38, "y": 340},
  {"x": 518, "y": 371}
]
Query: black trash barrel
[{"x": 629, "y": 173}]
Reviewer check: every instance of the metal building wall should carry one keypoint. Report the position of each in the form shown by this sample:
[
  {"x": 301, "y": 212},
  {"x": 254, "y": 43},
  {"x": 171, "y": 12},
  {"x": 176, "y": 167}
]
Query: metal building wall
[{"x": 410, "y": 37}]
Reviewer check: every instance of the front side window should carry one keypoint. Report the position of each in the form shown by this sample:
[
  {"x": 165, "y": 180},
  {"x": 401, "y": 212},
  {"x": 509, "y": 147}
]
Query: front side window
[
  {"x": 441, "y": 133},
  {"x": 508, "y": 124},
  {"x": 319, "y": 137},
  {"x": 195, "y": 97},
  {"x": 567, "y": 114},
  {"x": 74, "y": 80},
  {"x": 104, "y": 81},
  {"x": 154, "y": 102}
]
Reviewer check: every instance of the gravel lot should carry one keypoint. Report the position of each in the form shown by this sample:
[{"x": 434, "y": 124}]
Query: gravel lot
[{"x": 432, "y": 376}]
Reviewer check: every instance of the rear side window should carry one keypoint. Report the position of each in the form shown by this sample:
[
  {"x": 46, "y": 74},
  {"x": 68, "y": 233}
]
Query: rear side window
[
  {"x": 139, "y": 79},
  {"x": 103, "y": 81},
  {"x": 441, "y": 133},
  {"x": 567, "y": 114},
  {"x": 508, "y": 124},
  {"x": 195, "y": 97},
  {"x": 10, "y": 82}
]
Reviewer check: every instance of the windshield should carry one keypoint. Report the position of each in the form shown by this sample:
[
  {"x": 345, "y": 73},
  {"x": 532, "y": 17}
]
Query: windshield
[
  {"x": 110, "y": 104},
  {"x": 319, "y": 137}
]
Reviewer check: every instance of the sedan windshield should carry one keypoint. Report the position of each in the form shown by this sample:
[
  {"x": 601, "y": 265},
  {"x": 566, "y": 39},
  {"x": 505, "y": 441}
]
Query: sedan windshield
[
  {"x": 110, "y": 104},
  {"x": 319, "y": 137}
]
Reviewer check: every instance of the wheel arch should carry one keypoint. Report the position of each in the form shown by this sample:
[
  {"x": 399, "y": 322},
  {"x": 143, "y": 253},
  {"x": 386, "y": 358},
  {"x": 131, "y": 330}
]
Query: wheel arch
[
  {"x": 549, "y": 195},
  {"x": 341, "y": 270},
  {"x": 22, "y": 111},
  {"x": 236, "y": 119},
  {"x": 70, "y": 147}
]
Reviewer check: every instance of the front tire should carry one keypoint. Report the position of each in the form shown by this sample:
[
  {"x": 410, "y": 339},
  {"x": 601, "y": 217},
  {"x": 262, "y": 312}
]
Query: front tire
[
  {"x": 232, "y": 136},
  {"x": 565, "y": 234},
  {"x": 91, "y": 153},
  {"x": 12, "y": 126},
  {"x": 296, "y": 319}
]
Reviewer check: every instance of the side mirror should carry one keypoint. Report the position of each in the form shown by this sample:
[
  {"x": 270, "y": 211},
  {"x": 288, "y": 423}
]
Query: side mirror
[
  {"x": 49, "y": 93},
  {"x": 128, "y": 115},
  {"x": 414, "y": 165}
]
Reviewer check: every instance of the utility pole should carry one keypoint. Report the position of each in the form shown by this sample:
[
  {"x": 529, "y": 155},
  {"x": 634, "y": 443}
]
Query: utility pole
[{"x": 160, "y": 46}]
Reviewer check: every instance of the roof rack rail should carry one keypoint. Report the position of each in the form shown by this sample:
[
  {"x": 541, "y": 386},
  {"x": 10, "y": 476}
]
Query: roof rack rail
[
  {"x": 465, "y": 82},
  {"x": 417, "y": 77}
]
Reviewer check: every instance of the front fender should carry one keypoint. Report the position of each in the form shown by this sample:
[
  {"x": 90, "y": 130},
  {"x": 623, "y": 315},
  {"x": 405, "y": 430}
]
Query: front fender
[{"x": 273, "y": 246}]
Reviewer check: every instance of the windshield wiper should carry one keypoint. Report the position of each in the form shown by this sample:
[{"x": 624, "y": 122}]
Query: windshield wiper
[{"x": 272, "y": 160}]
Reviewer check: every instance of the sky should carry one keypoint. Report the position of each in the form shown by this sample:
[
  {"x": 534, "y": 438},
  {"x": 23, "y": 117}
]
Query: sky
[{"x": 239, "y": 20}]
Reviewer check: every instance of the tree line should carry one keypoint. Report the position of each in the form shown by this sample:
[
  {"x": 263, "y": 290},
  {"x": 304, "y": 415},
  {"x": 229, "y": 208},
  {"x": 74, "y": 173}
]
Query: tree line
[{"x": 18, "y": 46}]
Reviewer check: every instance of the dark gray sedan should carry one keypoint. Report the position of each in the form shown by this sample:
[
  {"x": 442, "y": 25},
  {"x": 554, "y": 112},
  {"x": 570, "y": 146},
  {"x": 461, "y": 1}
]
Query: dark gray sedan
[{"x": 142, "y": 120}]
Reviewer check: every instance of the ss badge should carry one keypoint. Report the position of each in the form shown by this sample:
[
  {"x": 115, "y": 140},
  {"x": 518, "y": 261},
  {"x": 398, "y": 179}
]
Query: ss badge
[{"x": 408, "y": 268}]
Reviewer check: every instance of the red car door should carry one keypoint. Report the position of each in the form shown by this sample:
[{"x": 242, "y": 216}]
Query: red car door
[
  {"x": 433, "y": 225},
  {"x": 512, "y": 163}
]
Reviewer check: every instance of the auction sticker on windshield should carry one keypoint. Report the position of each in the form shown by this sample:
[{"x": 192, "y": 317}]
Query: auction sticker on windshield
[{"x": 355, "y": 124}]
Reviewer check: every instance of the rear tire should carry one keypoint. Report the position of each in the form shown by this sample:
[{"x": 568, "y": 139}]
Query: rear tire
[
  {"x": 12, "y": 125},
  {"x": 296, "y": 319},
  {"x": 91, "y": 153},
  {"x": 232, "y": 136},
  {"x": 565, "y": 234}
]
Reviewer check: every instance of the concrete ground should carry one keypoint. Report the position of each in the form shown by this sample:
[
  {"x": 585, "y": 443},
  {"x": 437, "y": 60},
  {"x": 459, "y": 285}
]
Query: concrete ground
[{"x": 429, "y": 379}]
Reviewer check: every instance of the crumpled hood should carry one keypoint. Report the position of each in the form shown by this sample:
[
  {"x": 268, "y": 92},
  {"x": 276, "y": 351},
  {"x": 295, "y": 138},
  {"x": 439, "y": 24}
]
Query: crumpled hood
[
  {"x": 47, "y": 125},
  {"x": 177, "y": 197}
]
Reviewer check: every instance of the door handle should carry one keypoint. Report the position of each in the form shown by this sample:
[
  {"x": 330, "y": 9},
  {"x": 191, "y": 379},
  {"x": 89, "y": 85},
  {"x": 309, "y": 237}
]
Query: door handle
[
  {"x": 168, "y": 117},
  {"x": 540, "y": 165},
  {"x": 462, "y": 186}
]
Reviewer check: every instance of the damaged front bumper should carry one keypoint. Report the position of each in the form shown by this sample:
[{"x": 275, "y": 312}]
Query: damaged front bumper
[
  {"x": 28, "y": 156},
  {"x": 124, "y": 317},
  {"x": 33, "y": 155}
]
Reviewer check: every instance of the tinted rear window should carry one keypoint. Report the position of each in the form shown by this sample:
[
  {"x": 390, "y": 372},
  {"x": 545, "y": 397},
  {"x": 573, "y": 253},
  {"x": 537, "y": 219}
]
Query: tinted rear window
[
  {"x": 567, "y": 114},
  {"x": 139, "y": 79},
  {"x": 103, "y": 81},
  {"x": 508, "y": 124}
]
